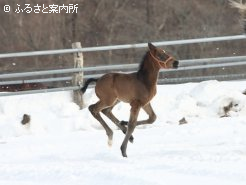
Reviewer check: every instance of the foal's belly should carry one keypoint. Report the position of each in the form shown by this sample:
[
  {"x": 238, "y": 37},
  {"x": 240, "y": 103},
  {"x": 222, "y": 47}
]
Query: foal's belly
[
  {"x": 130, "y": 89},
  {"x": 124, "y": 87}
]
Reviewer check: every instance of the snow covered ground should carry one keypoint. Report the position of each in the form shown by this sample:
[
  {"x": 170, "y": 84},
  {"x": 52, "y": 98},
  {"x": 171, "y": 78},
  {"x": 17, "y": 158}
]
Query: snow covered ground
[{"x": 65, "y": 145}]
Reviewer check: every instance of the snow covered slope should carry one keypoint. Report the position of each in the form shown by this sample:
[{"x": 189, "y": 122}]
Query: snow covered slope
[{"x": 65, "y": 145}]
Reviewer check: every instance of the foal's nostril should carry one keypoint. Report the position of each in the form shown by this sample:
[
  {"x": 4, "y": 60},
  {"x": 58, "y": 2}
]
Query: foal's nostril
[{"x": 175, "y": 64}]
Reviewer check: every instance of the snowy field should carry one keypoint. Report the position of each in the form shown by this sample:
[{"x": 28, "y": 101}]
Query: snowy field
[{"x": 64, "y": 145}]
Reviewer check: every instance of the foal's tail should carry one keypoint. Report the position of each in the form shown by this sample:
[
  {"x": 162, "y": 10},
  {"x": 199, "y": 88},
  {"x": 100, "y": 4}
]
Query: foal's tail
[{"x": 87, "y": 82}]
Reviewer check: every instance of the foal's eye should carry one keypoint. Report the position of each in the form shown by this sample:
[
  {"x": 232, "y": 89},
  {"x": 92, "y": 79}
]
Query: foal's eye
[{"x": 161, "y": 57}]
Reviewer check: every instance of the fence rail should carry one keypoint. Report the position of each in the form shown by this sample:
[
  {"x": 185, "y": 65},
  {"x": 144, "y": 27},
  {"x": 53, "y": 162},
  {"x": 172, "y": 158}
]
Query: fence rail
[
  {"x": 125, "y": 46},
  {"x": 44, "y": 80},
  {"x": 202, "y": 78},
  {"x": 188, "y": 64},
  {"x": 160, "y": 81},
  {"x": 184, "y": 65},
  {"x": 40, "y": 91}
]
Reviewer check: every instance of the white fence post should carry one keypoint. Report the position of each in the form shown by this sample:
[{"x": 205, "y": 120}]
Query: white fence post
[{"x": 78, "y": 77}]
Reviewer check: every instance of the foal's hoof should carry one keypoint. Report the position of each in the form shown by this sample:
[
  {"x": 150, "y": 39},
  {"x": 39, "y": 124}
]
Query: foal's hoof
[
  {"x": 110, "y": 142},
  {"x": 123, "y": 151},
  {"x": 110, "y": 139},
  {"x": 131, "y": 139},
  {"x": 124, "y": 123}
]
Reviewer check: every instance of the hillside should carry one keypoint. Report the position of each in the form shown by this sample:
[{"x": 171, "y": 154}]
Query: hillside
[{"x": 109, "y": 22}]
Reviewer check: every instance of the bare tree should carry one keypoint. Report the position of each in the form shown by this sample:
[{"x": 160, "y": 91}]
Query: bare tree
[
  {"x": 242, "y": 9},
  {"x": 109, "y": 22}
]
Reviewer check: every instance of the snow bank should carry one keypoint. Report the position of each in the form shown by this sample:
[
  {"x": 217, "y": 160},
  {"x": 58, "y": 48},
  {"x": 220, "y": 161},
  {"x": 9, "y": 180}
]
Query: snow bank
[
  {"x": 56, "y": 113},
  {"x": 65, "y": 145},
  {"x": 205, "y": 99}
]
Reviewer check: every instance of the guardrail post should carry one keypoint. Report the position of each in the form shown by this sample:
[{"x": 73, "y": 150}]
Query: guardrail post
[{"x": 78, "y": 77}]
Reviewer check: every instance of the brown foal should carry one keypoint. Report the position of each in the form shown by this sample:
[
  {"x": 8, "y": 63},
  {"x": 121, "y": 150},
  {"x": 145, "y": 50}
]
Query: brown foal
[{"x": 136, "y": 88}]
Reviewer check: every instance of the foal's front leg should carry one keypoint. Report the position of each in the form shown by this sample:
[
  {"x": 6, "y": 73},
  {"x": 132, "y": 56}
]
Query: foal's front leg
[
  {"x": 131, "y": 126},
  {"x": 152, "y": 116}
]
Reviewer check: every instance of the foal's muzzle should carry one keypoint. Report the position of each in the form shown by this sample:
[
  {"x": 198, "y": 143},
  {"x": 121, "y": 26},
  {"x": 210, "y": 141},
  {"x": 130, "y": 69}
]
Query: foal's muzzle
[{"x": 175, "y": 64}]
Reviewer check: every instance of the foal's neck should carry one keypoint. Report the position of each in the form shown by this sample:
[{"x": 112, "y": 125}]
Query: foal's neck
[{"x": 148, "y": 72}]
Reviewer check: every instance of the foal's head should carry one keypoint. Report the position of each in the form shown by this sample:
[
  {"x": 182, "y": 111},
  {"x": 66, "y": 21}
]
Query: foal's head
[{"x": 161, "y": 58}]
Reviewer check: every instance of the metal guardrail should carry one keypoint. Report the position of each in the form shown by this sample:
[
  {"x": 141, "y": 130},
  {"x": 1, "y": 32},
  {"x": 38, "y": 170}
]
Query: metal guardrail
[
  {"x": 160, "y": 81},
  {"x": 184, "y": 65},
  {"x": 125, "y": 46},
  {"x": 63, "y": 71},
  {"x": 45, "y": 80},
  {"x": 39, "y": 91},
  {"x": 202, "y": 78},
  {"x": 190, "y": 64}
]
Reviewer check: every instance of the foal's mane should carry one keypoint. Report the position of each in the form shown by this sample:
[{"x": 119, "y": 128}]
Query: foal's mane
[
  {"x": 141, "y": 65},
  {"x": 142, "y": 73}
]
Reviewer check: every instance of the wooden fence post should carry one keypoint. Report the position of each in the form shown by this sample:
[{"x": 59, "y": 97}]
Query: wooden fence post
[{"x": 78, "y": 77}]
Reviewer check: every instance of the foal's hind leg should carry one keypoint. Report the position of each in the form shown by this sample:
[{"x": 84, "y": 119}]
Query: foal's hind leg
[
  {"x": 95, "y": 111},
  {"x": 108, "y": 112}
]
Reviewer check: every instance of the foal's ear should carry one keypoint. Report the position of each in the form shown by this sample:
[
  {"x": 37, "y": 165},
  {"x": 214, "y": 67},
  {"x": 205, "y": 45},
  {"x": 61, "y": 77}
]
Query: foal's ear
[{"x": 151, "y": 46}]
